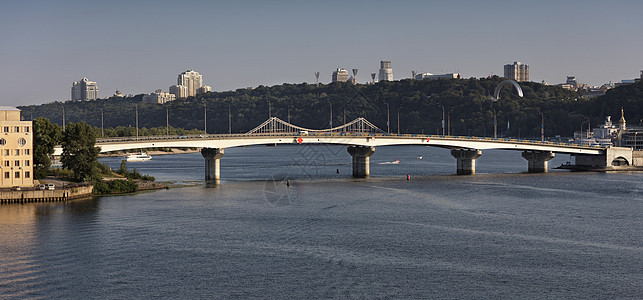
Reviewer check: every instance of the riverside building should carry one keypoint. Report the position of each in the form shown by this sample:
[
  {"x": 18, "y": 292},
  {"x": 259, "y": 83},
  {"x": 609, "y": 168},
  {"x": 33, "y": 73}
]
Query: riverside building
[{"x": 16, "y": 147}]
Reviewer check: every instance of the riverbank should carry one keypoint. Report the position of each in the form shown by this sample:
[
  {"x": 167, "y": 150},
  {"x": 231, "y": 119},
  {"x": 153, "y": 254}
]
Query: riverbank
[
  {"x": 70, "y": 192},
  {"x": 151, "y": 152}
]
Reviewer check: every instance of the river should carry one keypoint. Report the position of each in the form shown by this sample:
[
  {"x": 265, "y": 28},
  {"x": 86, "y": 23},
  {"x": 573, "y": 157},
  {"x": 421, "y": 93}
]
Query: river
[{"x": 501, "y": 233}]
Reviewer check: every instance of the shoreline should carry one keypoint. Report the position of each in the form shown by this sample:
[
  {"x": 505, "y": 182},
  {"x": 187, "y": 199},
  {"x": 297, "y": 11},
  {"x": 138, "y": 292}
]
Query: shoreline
[{"x": 152, "y": 152}]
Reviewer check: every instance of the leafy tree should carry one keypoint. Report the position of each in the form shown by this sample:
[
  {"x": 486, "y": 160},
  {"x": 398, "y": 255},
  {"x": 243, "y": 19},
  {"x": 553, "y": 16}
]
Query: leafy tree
[
  {"x": 46, "y": 137},
  {"x": 79, "y": 153}
]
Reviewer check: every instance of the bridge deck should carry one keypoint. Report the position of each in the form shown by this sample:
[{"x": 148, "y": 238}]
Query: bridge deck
[{"x": 358, "y": 139}]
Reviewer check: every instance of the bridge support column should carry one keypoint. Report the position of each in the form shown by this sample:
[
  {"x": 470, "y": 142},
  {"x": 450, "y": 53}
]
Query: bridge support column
[
  {"x": 466, "y": 160},
  {"x": 361, "y": 160},
  {"x": 212, "y": 163},
  {"x": 537, "y": 160}
]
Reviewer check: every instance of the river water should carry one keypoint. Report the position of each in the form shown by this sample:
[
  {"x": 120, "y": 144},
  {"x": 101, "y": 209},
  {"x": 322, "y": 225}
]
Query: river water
[{"x": 501, "y": 233}]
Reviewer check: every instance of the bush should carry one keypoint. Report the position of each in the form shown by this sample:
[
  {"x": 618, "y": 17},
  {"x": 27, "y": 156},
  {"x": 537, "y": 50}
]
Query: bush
[{"x": 114, "y": 187}]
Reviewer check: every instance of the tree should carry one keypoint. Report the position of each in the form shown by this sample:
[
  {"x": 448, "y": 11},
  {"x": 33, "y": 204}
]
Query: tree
[
  {"x": 79, "y": 153},
  {"x": 46, "y": 137}
]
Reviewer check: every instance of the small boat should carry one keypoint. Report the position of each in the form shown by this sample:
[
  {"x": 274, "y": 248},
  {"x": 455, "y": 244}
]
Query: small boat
[
  {"x": 395, "y": 162},
  {"x": 390, "y": 162},
  {"x": 138, "y": 157},
  {"x": 420, "y": 157}
]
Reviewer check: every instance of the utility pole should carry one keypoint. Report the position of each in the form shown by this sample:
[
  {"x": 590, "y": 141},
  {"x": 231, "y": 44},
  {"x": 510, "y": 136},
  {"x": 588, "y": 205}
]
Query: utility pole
[
  {"x": 229, "y": 120},
  {"x": 102, "y": 130},
  {"x": 330, "y": 122},
  {"x": 449, "y": 121},
  {"x": 289, "y": 112},
  {"x": 442, "y": 118},
  {"x": 388, "y": 120},
  {"x": 398, "y": 119},
  {"x": 167, "y": 121},
  {"x": 205, "y": 119},
  {"x": 495, "y": 124},
  {"x": 136, "y": 107},
  {"x": 63, "y": 118},
  {"x": 542, "y": 127}
]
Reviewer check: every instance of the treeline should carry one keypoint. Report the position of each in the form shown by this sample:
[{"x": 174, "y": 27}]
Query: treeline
[{"x": 419, "y": 103}]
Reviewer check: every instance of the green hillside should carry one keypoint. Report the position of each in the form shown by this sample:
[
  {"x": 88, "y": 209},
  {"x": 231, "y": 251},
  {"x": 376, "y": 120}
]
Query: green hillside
[{"x": 418, "y": 101}]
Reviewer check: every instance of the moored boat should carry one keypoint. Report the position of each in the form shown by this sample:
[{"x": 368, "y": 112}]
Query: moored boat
[{"x": 138, "y": 157}]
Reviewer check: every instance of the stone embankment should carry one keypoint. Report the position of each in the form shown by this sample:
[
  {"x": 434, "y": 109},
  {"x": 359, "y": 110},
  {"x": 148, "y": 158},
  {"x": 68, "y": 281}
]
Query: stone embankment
[{"x": 35, "y": 196}]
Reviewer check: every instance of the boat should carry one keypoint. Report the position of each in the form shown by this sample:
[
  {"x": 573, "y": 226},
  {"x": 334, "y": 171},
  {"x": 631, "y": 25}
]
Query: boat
[
  {"x": 390, "y": 162},
  {"x": 420, "y": 157},
  {"x": 138, "y": 157}
]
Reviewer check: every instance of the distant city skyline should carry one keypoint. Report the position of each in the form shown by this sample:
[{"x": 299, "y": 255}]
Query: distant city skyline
[{"x": 136, "y": 47}]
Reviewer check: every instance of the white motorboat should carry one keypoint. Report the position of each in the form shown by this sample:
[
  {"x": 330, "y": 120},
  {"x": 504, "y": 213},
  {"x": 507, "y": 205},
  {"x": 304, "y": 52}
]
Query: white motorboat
[{"x": 138, "y": 157}]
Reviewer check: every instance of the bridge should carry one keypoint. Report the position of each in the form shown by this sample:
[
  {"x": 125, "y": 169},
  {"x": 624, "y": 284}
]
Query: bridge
[{"x": 361, "y": 138}]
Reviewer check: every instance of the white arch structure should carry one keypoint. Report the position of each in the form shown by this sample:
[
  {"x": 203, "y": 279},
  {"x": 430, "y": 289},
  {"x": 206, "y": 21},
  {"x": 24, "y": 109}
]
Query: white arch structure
[{"x": 496, "y": 93}]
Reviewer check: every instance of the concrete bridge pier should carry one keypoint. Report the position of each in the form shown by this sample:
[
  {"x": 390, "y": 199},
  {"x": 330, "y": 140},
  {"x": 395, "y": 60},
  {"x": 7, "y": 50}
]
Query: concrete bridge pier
[
  {"x": 537, "y": 160},
  {"x": 212, "y": 163},
  {"x": 361, "y": 160},
  {"x": 466, "y": 160}
]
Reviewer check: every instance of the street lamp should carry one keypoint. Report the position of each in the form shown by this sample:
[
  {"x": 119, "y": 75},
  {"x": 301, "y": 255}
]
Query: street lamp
[
  {"x": 449, "y": 121},
  {"x": 442, "y": 118},
  {"x": 398, "y": 119},
  {"x": 136, "y": 108},
  {"x": 388, "y": 121},
  {"x": 542, "y": 127},
  {"x": 330, "y": 121},
  {"x": 635, "y": 133}
]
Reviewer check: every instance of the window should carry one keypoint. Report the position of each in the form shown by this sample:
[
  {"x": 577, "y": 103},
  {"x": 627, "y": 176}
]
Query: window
[
  {"x": 17, "y": 129},
  {"x": 6, "y": 175},
  {"x": 22, "y": 142},
  {"x": 6, "y": 129},
  {"x": 27, "y": 163},
  {"x": 7, "y": 163},
  {"x": 6, "y": 152},
  {"x": 27, "y": 174},
  {"x": 16, "y": 163},
  {"x": 3, "y": 142},
  {"x": 27, "y": 152},
  {"x": 26, "y": 128},
  {"x": 17, "y": 175},
  {"x": 17, "y": 152}
]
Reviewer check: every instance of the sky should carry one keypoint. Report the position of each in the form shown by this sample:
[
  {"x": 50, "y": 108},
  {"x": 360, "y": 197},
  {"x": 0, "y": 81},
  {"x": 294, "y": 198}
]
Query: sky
[{"x": 140, "y": 46}]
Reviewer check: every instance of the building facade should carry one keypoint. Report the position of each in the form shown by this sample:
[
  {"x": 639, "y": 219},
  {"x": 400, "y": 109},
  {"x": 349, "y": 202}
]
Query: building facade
[
  {"x": 84, "y": 90},
  {"x": 340, "y": 75},
  {"x": 422, "y": 76},
  {"x": 204, "y": 89},
  {"x": 159, "y": 97},
  {"x": 16, "y": 147},
  {"x": 179, "y": 91},
  {"x": 517, "y": 71},
  {"x": 385, "y": 72},
  {"x": 192, "y": 80}
]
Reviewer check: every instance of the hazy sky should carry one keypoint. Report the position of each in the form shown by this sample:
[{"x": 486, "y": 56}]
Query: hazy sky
[{"x": 140, "y": 46}]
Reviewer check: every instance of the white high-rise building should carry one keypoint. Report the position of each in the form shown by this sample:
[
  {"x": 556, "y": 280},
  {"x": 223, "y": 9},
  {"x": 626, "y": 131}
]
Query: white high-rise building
[
  {"x": 192, "y": 80},
  {"x": 159, "y": 97},
  {"x": 386, "y": 73},
  {"x": 340, "y": 75},
  {"x": 204, "y": 89},
  {"x": 518, "y": 71},
  {"x": 84, "y": 90},
  {"x": 179, "y": 91}
]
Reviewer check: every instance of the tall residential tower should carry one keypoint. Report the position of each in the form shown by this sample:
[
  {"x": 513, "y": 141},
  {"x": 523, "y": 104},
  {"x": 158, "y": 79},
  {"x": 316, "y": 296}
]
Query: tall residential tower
[
  {"x": 189, "y": 83},
  {"x": 518, "y": 71},
  {"x": 386, "y": 73},
  {"x": 84, "y": 90}
]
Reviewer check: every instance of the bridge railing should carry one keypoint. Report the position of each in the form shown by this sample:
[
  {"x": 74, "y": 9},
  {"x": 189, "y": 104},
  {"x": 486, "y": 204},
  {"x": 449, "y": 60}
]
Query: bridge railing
[{"x": 339, "y": 134}]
